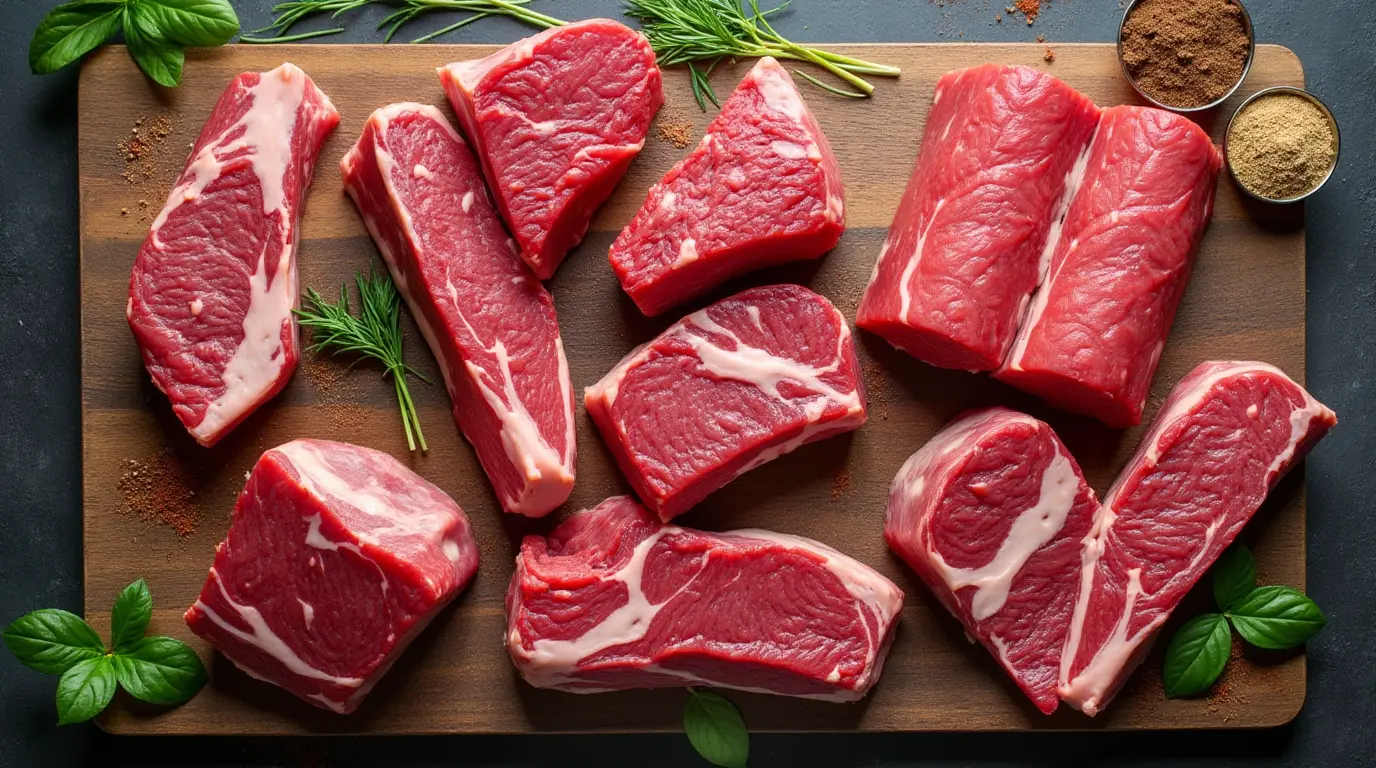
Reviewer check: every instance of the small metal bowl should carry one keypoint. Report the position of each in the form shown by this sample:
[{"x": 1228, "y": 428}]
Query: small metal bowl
[
  {"x": 1246, "y": 67},
  {"x": 1332, "y": 123}
]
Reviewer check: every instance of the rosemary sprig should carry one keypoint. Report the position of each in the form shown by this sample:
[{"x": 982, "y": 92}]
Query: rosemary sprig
[
  {"x": 687, "y": 31},
  {"x": 374, "y": 333},
  {"x": 292, "y": 11}
]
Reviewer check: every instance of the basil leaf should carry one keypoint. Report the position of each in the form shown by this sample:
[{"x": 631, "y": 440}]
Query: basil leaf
[
  {"x": 160, "y": 670},
  {"x": 84, "y": 690},
  {"x": 129, "y": 622},
  {"x": 716, "y": 730},
  {"x": 191, "y": 22},
  {"x": 1277, "y": 618},
  {"x": 1196, "y": 656},
  {"x": 70, "y": 31},
  {"x": 1235, "y": 576},
  {"x": 52, "y": 641},
  {"x": 160, "y": 60}
]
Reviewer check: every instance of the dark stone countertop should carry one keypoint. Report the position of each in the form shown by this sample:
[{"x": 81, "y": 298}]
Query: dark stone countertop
[{"x": 40, "y": 528}]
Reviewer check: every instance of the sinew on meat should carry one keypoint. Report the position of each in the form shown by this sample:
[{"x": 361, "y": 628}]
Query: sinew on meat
[
  {"x": 489, "y": 322},
  {"x": 214, "y": 284}
]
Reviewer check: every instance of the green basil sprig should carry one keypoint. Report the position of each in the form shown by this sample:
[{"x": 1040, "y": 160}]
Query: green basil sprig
[
  {"x": 716, "y": 729},
  {"x": 1275, "y": 618},
  {"x": 156, "y": 31},
  {"x": 158, "y": 670}
]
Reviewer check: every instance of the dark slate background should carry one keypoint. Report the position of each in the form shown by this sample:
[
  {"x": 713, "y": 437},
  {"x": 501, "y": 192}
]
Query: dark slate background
[{"x": 40, "y": 523}]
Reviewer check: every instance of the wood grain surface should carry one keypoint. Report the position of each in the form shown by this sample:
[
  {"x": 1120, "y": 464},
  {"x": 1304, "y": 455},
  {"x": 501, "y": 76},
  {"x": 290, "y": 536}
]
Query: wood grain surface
[{"x": 1246, "y": 301}]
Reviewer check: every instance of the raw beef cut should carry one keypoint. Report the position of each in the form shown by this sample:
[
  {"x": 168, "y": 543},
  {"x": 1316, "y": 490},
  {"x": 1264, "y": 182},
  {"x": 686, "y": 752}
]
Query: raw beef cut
[
  {"x": 991, "y": 514},
  {"x": 1225, "y": 435},
  {"x": 336, "y": 558},
  {"x": 1097, "y": 325},
  {"x": 489, "y": 322},
  {"x": 1001, "y": 147},
  {"x": 761, "y": 189},
  {"x": 727, "y": 389},
  {"x": 213, "y": 286},
  {"x": 556, "y": 120},
  {"x": 614, "y": 599}
]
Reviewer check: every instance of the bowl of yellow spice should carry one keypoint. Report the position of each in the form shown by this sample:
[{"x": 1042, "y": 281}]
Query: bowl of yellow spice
[{"x": 1281, "y": 145}]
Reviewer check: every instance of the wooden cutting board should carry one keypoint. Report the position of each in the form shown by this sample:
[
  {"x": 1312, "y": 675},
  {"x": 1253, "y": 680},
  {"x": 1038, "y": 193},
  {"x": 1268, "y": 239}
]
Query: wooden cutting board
[{"x": 1246, "y": 301}]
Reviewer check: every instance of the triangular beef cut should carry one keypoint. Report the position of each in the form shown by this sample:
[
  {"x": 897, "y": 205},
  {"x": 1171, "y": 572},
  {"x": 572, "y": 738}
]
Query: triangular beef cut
[
  {"x": 761, "y": 189},
  {"x": 557, "y": 119}
]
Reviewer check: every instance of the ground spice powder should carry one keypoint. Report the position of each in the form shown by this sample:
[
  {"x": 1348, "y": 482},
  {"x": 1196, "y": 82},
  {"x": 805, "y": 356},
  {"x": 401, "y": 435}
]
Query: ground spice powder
[
  {"x": 159, "y": 490},
  {"x": 1185, "y": 53},
  {"x": 1281, "y": 146}
]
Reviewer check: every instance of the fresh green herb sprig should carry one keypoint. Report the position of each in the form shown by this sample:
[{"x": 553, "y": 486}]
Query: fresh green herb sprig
[
  {"x": 716, "y": 729},
  {"x": 697, "y": 31},
  {"x": 1275, "y": 618},
  {"x": 156, "y": 31},
  {"x": 374, "y": 333},
  {"x": 158, "y": 670},
  {"x": 287, "y": 14}
]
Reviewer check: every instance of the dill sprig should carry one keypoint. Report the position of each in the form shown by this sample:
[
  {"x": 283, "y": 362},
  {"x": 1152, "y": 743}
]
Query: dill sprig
[
  {"x": 289, "y": 13},
  {"x": 689, "y": 31},
  {"x": 374, "y": 333}
]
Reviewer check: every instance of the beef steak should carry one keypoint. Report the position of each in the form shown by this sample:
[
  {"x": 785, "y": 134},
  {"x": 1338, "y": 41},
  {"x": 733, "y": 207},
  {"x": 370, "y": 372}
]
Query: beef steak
[
  {"x": 213, "y": 287},
  {"x": 727, "y": 389},
  {"x": 762, "y": 188},
  {"x": 613, "y": 599},
  {"x": 961, "y": 259},
  {"x": 557, "y": 119},
  {"x": 1223, "y": 438},
  {"x": 336, "y": 558},
  {"x": 1119, "y": 266},
  {"x": 991, "y": 514},
  {"x": 489, "y": 322}
]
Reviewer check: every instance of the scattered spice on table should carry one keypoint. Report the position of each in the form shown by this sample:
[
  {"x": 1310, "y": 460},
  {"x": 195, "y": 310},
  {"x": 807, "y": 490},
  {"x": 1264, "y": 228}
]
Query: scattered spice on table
[
  {"x": 1185, "y": 53},
  {"x": 159, "y": 490},
  {"x": 1029, "y": 8},
  {"x": 1281, "y": 146},
  {"x": 674, "y": 128}
]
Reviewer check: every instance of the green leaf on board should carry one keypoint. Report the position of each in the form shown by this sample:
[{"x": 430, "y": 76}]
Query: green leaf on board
[
  {"x": 1196, "y": 656},
  {"x": 1276, "y": 617},
  {"x": 716, "y": 729}
]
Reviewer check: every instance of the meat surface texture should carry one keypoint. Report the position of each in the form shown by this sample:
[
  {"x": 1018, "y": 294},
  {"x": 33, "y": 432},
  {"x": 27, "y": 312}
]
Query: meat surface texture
[
  {"x": 556, "y": 120},
  {"x": 213, "y": 287},
  {"x": 761, "y": 189},
  {"x": 991, "y": 514},
  {"x": 727, "y": 389},
  {"x": 1001, "y": 147},
  {"x": 1097, "y": 325},
  {"x": 336, "y": 558},
  {"x": 487, "y": 319},
  {"x": 614, "y": 599},
  {"x": 1225, "y": 435}
]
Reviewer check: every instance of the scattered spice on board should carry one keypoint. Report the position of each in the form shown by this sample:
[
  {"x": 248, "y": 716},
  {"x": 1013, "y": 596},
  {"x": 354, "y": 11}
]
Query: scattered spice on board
[
  {"x": 840, "y": 485},
  {"x": 142, "y": 152},
  {"x": 1185, "y": 53},
  {"x": 674, "y": 128},
  {"x": 1049, "y": 56},
  {"x": 336, "y": 392},
  {"x": 1281, "y": 146},
  {"x": 159, "y": 490},
  {"x": 1030, "y": 9}
]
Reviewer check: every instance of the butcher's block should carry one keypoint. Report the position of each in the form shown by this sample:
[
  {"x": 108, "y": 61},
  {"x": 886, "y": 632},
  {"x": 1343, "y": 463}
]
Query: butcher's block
[{"x": 156, "y": 503}]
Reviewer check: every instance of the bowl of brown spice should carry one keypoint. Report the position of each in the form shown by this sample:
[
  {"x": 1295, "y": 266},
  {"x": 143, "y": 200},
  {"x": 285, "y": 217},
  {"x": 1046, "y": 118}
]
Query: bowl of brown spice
[
  {"x": 1186, "y": 55},
  {"x": 1282, "y": 145}
]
